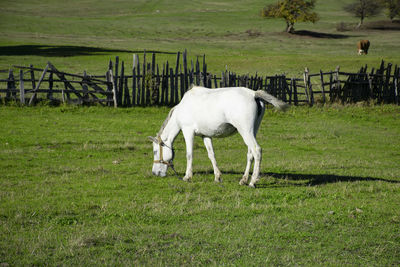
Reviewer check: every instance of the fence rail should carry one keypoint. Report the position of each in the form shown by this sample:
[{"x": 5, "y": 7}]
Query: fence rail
[{"x": 147, "y": 84}]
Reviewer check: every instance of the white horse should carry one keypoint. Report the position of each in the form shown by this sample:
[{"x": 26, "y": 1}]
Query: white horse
[{"x": 213, "y": 113}]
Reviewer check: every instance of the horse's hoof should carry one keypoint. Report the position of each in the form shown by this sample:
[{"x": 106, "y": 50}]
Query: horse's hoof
[
  {"x": 186, "y": 179},
  {"x": 217, "y": 178},
  {"x": 242, "y": 182},
  {"x": 252, "y": 185}
]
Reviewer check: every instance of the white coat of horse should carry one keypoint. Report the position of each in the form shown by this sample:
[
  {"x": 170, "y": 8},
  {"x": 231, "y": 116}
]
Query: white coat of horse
[{"x": 213, "y": 113}]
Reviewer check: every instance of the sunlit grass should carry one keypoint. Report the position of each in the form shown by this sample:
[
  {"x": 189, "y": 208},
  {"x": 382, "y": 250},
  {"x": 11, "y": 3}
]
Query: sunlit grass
[{"x": 76, "y": 189}]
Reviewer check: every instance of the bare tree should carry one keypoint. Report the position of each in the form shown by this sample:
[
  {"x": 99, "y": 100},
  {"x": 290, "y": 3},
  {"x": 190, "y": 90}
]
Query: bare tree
[
  {"x": 363, "y": 9},
  {"x": 393, "y": 8}
]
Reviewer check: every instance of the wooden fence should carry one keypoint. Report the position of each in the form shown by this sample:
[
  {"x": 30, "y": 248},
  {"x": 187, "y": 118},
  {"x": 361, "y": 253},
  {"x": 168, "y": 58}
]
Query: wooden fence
[
  {"x": 146, "y": 83},
  {"x": 58, "y": 87}
]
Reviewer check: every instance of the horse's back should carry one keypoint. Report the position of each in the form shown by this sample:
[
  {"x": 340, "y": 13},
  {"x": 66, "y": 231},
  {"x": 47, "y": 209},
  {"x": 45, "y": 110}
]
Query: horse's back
[
  {"x": 221, "y": 97},
  {"x": 209, "y": 110},
  {"x": 199, "y": 90},
  {"x": 221, "y": 100}
]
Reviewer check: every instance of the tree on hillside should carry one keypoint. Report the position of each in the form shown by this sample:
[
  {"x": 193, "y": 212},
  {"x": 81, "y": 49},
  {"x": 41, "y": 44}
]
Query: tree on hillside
[
  {"x": 393, "y": 8},
  {"x": 292, "y": 11},
  {"x": 363, "y": 9}
]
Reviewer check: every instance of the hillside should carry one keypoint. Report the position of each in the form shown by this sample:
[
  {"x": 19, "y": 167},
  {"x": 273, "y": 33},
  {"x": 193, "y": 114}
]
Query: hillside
[{"x": 78, "y": 35}]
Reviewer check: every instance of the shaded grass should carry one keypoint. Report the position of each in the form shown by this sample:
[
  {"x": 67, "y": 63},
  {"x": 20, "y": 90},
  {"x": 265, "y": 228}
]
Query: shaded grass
[{"x": 76, "y": 189}]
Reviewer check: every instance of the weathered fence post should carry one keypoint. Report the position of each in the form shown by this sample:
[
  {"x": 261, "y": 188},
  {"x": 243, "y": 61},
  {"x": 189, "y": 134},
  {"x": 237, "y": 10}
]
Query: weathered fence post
[
  {"x": 172, "y": 96},
  {"x": 134, "y": 67},
  {"x": 322, "y": 87},
  {"x": 395, "y": 83},
  {"x": 294, "y": 89},
  {"x": 50, "y": 93},
  {"x": 380, "y": 75},
  {"x": 204, "y": 71},
  {"x": 38, "y": 85},
  {"x": 185, "y": 72},
  {"x": 163, "y": 86},
  {"x": 389, "y": 95},
  {"x": 182, "y": 85},
  {"x": 285, "y": 90},
  {"x": 154, "y": 90},
  {"x": 114, "y": 90},
  {"x": 115, "y": 76},
  {"x": 109, "y": 88},
  {"x": 63, "y": 95},
  {"x": 197, "y": 74},
  {"x": 306, "y": 79},
  {"x": 157, "y": 85},
  {"x": 21, "y": 87},
  {"x": 153, "y": 63},
  {"x": 85, "y": 89},
  {"x": 10, "y": 85},
  {"x": 167, "y": 92},
  {"x": 138, "y": 88},
  {"x": 143, "y": 94},
  {"x": 176, "y": 83},
  {"x": 148, "y": 84},
  {"x": 120, "y": 89},
  {"x": 337, "y": 89},
  {"x": 222, "y": 83},
  {"x": 191, "y": 73},
  {"x": 127, "y": 98},
  {"x": 32, "y": 76},
  {"x": 370, "y": 87},
  {"x": 228, "y": 77}
]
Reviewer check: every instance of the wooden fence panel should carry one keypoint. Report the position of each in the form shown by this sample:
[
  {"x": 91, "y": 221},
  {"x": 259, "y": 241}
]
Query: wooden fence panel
[{"x": 149, "y": 86}]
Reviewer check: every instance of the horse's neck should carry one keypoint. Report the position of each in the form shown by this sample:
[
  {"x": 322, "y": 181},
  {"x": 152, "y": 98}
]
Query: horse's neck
[{"x": 170, "y": 131}]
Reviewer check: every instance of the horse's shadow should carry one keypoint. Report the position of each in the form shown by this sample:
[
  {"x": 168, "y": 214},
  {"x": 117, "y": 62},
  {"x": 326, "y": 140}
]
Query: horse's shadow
[{"x": 299, "y": 179}]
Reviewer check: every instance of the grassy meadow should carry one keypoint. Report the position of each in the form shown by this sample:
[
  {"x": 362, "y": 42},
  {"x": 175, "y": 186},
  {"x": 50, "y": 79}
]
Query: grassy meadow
[
  {"x": 75, "y": 182},
  {"x": 84, "y": 35},
  {"x": 76, "y": 189}
]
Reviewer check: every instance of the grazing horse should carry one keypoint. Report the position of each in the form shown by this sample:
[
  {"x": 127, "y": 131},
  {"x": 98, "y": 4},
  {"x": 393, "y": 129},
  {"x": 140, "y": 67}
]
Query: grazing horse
[
  {"x": 362, "y": 47},
  {"x": 213, "y": 113}
]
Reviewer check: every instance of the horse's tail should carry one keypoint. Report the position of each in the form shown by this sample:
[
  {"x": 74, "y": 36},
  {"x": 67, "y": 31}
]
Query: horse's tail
[{"x": 265, "y": 97}]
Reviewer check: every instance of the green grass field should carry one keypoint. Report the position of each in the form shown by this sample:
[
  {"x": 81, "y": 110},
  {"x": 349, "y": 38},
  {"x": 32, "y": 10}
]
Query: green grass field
[
  {"x": 34, "y": 32},
  {"x": 75, "y": 182},
  {"x": 76, "y": 189}
]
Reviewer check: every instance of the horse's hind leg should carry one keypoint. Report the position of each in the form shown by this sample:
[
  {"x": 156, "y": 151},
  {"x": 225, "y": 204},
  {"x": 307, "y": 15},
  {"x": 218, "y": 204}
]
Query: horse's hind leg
[
  {"x": 208, "y": 144},
  {"x": 248, "y": 166},
  {"x": 255, "y": 150},
  {"x": 257, "y": 153},
  {"x": 250, "y": 156}
]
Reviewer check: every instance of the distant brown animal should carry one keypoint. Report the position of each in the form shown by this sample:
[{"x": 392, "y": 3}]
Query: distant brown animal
[{"x": 363, "y": 46}]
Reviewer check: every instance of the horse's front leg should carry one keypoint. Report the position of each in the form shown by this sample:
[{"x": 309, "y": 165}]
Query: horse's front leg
[
  {"x": 189, "y": 137},
  {"x": 210, "y": 150}
]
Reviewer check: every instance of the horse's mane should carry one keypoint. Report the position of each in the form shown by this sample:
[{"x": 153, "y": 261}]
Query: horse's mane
[{"x": 165, "y": 122}]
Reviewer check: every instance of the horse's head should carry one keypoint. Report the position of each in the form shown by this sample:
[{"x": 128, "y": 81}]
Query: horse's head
[{"x": 163, "y": 156}]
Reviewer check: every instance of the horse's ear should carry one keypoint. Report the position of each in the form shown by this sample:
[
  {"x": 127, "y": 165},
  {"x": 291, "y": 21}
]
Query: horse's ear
[{"x": 153, "y": 139}]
